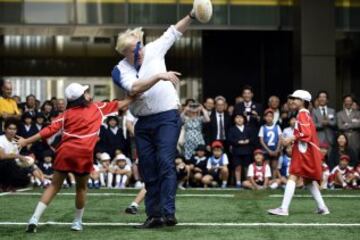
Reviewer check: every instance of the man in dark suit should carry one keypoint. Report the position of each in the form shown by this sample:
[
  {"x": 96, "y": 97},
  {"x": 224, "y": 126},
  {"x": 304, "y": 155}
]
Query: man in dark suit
[
  {"x": 248, "y": 108},
  {"x": 217, "y": 128}
]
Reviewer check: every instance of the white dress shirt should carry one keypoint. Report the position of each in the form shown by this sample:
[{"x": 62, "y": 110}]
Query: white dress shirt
[
  {"x": 218, "y": 116},
  {"x": 162, "y": 96}
]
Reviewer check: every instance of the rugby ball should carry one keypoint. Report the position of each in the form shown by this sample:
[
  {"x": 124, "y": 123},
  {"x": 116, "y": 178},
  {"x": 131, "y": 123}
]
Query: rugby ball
[
  {"x": 203, "y": 10},
  {"x": 24, "y": 164}
]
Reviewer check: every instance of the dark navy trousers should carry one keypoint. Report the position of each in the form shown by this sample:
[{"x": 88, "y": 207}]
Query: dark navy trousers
[{"x": 156, "y": 138}]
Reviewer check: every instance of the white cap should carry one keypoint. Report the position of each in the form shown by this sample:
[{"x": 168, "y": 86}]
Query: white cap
[
  {"x": 104, "y": 156},
  {"x": 120, "y": 157},
  {"x": 74, "y": 91},
  {"x": 302, "y": 94}
]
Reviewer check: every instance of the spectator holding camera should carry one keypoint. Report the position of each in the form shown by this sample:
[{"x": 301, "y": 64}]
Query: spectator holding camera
[{"x": 193, "y": 116}]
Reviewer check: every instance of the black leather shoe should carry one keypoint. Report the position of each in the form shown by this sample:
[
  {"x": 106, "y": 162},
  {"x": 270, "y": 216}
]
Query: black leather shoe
[
  {"x": 170, "y": 221},
  {"x": 131, "y": 210},
  {"x": 151, "y": 222}
]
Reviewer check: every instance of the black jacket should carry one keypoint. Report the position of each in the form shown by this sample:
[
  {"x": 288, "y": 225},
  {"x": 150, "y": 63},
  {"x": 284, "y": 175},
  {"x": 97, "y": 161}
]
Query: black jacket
[
  {"x": 211, "y": 128},
  {"x": 235, "y": 135}
]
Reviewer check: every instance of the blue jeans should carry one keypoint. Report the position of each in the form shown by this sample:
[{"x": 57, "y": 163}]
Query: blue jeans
[{"x": 156, "y": 137}]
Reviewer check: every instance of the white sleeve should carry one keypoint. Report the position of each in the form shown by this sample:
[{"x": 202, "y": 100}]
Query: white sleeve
[
  {"x": 250, "y": 172},
  {"x": 208, "y": 165},
  {"x": 161, "y": 45},
  {"x": 127, "y": 168},
  {"x": 261, "y": 132},
  {"x": 267, "y": 171},
  {"x": 123, "y": 78},
  {"x": 334, "y": 170},
  {"x": 225, "y": 160}
]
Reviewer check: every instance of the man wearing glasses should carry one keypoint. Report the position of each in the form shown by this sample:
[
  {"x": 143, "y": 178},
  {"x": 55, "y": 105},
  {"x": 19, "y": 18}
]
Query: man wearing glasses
[{"x": 143, "y": 72}]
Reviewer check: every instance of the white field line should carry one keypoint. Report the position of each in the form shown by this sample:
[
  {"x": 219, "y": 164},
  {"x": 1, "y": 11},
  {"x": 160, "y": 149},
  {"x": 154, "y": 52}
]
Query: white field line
[
  {"x": 121, "y": 194},
  {"x": 324, "y": 196},
  {"x": 17, "y": 191},
  {"x": 270, "y": 224}
]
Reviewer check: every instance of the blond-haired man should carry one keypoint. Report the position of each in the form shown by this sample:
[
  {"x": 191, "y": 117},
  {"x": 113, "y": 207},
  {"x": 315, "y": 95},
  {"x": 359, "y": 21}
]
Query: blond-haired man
[{"x": 143, "y": 72}]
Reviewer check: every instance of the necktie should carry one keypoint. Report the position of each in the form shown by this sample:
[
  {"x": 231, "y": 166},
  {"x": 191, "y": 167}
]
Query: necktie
[
  {"x": 222, "y": 132},
  {"x": 323, "y": 112}
]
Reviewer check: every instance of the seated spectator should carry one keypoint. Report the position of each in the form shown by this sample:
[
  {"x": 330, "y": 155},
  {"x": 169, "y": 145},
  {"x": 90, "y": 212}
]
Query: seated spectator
[
  {"x": 11, "y": 176},
  {"x": 94, "y": 178},
  {"x": 112, "y": 137},
  {"x": 289, "y": 131},
  {"x": 324, "y": 148},
  {"x": 343, "y": 176},
  {"x": 46, "y": 167},
  {"x": 47, "y": 109},
  {"x": 281, "y": 175},
  {"x": 241, "y": 143},
  {"x": 274, "y": 104},
  {"x": 270, "y": 139},
  {"x": 259, "y": 172},
  {"x": 182, "y": 172},
  {"x": 27, "y": 128},
  {"x": 217, "y": 166},
  {"x": 348, "y": 121},
  {"x": 29, "y": 105},
  {"x": 121, "y": 171},
  {"x": 341, "y": 148},
  {"x": 198, "y": 165},
  {"x": 193, "y": 122},
  {"x": 104, "y": 170}
]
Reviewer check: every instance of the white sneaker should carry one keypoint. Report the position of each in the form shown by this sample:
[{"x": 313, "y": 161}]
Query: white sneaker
[
  {"x": 32, "y": 225},
  {"x": 138, "y": 185},
  {"x": 76, "y": 225},
  {"x": 181, "y": 187},
  {"x": 323, "y": 211},
  {"x": 278, "y": 212}
]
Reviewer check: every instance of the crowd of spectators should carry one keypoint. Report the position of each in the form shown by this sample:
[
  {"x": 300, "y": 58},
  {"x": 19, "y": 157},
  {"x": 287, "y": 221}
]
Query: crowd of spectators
[{"x": 220, "y": 145}]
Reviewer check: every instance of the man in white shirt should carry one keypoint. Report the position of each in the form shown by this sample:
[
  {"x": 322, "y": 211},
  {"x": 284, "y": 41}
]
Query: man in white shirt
[
  {"x": 143, "y": 73},
  {"x": 10, "y": 174}
]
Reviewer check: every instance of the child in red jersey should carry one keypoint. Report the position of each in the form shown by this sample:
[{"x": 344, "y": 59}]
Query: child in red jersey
[
  {"x": 343, "y": 176},
  {"x": 306, "y": 156},
  {"x": 259, "y": 172},
  {"x": 79, "y": 126}
]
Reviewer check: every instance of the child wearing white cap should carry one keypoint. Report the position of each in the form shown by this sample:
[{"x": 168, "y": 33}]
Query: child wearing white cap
[{"x": 79, "y": 125}]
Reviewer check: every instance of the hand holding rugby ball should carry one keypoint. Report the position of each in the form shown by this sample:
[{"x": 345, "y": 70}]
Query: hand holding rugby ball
[{"x": 203, "y": 10}]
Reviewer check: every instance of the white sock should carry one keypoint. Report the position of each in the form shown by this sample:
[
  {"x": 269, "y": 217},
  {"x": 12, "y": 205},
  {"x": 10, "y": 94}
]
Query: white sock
[
  {"x": 102, "y": 179},
  {"x": 90, "y": 181},
  {"x": 79, "y": 214},
  {"x": 224, "y": 182},
  {"x": 123, "y": 180},
  {"x": 110, "y": 180},
  {"x": 288, "y": 194},
  {"x": 238, "y": 182},
  {"x": 39, "y": 210},
  {"x": 96, "y": 181},
  {"x": 134, "y": 204},
  {"x": 315, "y": 192},
  {"x": 117, "y": 180}
]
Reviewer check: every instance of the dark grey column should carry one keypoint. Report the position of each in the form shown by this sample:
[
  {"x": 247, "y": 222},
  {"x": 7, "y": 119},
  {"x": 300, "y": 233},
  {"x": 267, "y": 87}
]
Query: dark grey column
[{"x": 314, "y": 46}]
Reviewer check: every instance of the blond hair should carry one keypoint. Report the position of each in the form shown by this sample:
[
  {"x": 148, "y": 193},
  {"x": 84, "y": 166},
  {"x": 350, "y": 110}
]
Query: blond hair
[{"x": 124, "y": 39}]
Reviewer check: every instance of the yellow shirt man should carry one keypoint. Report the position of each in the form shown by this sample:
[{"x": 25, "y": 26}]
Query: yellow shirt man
[{"x": 8, "y": 106}]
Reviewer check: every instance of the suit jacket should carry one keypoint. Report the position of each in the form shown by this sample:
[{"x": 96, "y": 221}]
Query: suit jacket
[
  {"x": 211, "y": 128},
  {"x": 350, "y": 125},
  {"x": 326, "y": 134},
  {"x": 235, "y": 135},
  {"x": 253, "y": 121}
]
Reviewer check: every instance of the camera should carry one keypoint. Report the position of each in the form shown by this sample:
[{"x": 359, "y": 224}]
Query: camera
[{"x": 194, "y": 105}]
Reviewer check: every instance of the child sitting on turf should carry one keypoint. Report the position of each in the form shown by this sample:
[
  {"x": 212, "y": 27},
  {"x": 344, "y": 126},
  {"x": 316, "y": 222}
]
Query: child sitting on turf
[
  {"x": 258, "y": 173},
  {"x": 217, "y": 166},
  {"x": 121, "y": 171},
  {"x": 47, "y": 167},
  {"x": 343, "y": 176},
  {"x": 324, "y": 147},
  {"x": 281, "y": 174},
  {"x": 198, "y": 165},
  {"x": 94, "y": 179},
  {"x": 269, "y": 136},
  {"x": 104, "y": 170},
  {"x": 182, "y": 172}
]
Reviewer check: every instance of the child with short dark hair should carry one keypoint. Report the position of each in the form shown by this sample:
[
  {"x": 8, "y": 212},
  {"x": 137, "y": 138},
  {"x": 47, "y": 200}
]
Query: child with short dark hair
[
  {"x": 259, "y": 172},
  {"x": 198, "y": 165}
]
